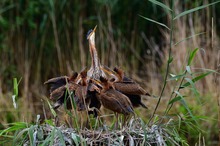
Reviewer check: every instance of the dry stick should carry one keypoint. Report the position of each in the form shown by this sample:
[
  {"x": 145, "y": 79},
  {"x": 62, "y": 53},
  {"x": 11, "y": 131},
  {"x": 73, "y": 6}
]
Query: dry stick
[{"x": 168, "y": 66}]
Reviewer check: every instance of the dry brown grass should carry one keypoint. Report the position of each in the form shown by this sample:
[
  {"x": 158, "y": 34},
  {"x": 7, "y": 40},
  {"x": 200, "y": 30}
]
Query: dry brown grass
[{"x": 138, "y": 54}]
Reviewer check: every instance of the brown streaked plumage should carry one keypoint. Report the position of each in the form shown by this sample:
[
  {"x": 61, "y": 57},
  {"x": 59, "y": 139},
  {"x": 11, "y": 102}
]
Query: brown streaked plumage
[
  {"x": 85, "y": 95},
  {"x": 60, "y": 81},
  {"x": 114, "y": 100},
  {"x": 127, "y": 85},
  {"x": 130, "y": 88},
  {"x": 81, "y": 92},
  {"x": 60, "y": 89}
]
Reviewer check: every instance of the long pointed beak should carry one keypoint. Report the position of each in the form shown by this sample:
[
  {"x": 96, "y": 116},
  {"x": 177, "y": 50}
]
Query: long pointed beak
[
  {"x": 94, "y": 28},
  {"x": 92, "y": 33}
]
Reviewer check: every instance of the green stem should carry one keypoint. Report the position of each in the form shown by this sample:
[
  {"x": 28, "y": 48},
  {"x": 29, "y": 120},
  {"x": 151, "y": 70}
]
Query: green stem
[
  {"x": 169, "y": 107},
  {"x": 168, "y": 65}
]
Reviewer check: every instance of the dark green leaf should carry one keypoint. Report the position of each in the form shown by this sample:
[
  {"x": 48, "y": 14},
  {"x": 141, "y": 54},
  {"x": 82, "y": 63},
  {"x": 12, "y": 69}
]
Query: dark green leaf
[
  {"x": 151, "y": 20},
  {"x": 160, "y": 4},
  {"x": 175, "y": 100},
  {"x": 170, "y": 59}
]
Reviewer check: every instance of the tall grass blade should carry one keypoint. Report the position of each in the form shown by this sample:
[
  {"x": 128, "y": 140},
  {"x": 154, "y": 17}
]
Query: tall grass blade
[
  {"x": 188, "y": 38},
  {"x": 14, "y": 127},
  {"x": 160, "y": 4},
  {"x": 151, "y": 20},
  {"x": 196, "y": 79},
  {"x": 31, "y": 135},
  {"x": 175, "y": 99},
  {"x": 51, "y": 109},
  {"x": 15, "y": 86},
  {"x": 194, "y": 9}
]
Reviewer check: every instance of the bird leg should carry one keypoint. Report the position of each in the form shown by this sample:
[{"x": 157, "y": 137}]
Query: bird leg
[
  {"x": 116, "y": 123},
  {"x": 126, "y": 117}
]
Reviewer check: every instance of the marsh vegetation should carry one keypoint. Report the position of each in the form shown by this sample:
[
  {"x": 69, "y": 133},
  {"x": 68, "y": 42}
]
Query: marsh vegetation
[{"x": 171, "y": 48}]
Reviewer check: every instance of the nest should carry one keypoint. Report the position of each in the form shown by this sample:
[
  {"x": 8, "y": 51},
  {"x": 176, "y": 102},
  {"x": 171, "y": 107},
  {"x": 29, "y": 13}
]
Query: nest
[{"x": 135, "y": 133}]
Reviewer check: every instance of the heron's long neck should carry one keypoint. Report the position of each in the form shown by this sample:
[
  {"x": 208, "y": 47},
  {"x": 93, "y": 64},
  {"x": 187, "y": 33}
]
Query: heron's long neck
[
  {"x": 95, "y": 67},
  {"x": 94, "y": 56}
]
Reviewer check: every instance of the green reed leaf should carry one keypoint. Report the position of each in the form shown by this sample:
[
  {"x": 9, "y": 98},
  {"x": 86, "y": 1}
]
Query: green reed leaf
[
  {"x": 151, "y": 20},
  {"x": 160, "y": 4},
  {"x": 194, "y": 9}
]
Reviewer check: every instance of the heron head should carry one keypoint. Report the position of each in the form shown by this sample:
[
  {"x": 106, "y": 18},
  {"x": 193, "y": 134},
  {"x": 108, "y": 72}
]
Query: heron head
[{"x": 91, "y": 35}]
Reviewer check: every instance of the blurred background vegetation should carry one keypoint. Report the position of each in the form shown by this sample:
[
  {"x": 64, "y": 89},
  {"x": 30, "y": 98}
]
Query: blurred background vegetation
[{"x": 42, "y": 39}]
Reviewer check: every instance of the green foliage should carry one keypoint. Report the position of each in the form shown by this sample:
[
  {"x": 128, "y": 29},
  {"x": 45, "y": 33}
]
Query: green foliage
[
  {"x": 29, "y": 48},
  {"x": 191, "y": 82},
  {"x": 176, "y": 96}
]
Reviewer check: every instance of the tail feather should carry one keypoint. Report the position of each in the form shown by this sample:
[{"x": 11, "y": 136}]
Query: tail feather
[
  {"x": 143, "y": 105},
  {"x": 147, "y": 94},
  {"x": 57, "y": 80}
]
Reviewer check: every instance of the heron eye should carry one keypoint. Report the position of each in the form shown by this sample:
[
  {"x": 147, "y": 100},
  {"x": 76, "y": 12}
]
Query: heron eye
[{"x": 88, "y": 33}]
